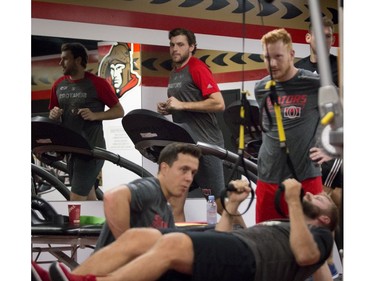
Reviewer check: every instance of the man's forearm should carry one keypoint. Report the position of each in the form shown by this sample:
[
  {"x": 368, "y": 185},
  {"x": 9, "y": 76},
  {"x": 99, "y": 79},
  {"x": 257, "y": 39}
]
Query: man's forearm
[
  {"x": 226, "y": 221},
  {"x": 302, "y": 242},
  {"x": 113, "y": 113}
]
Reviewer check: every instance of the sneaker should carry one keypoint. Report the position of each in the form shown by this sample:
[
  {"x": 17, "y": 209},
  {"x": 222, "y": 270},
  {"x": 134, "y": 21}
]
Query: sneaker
[
  {"x": 38, "y": 273},
  {"x": 333, "y": 270},
  {"x": 58, "y": 272}
]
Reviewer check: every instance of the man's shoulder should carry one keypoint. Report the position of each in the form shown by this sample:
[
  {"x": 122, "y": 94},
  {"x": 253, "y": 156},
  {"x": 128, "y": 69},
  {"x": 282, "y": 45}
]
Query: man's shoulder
[
  {"x": 61, "y": 79},
  {"x": 93, "y": 76},
  {"x": 148, "y": 182},
  {"x": 308, "y": 75},
  {"x": 259, "y": 85},
  {"x": 196, "y": 62},
  {"x": 305, "y": 63}
]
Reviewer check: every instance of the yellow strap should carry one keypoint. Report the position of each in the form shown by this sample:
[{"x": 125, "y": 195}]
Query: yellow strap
[
  {"x": 327, "y": 118},
  {"x": 279, "y": 120}
]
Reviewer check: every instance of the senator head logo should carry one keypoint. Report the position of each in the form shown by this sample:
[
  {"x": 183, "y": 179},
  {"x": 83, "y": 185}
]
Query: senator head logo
[{"x": 117, "y": 68}]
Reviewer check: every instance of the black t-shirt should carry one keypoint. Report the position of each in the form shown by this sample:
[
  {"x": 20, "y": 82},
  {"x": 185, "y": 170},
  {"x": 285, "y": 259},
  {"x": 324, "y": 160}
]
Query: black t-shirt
[
  {"x": 305, "y": 63},
  {"x": 269, "y": 242}
]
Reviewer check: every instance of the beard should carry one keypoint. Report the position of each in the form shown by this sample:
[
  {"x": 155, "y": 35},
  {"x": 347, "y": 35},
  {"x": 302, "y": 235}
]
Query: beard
[
  {"x": 310, "y": 210},
  {"x": 179, "y": 60},
  {"x": 70, "y": 70}
]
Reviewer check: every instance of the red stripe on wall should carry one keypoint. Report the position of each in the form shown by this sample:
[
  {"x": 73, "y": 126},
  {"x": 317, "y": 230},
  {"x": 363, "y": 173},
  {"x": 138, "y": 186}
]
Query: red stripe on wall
[
  {"x": 152, "y": 81},
  {"x": 40, "y": 95},
  {"x": 238, "y": 76},
  {"x": 228, "y": 77},
  {"x": 76, "y": 13}
]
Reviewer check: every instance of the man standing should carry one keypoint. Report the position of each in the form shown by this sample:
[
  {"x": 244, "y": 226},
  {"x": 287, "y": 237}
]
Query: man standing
[
  {"x": 78, "y": 100},
  {"x": 311, "y": 62},
  {"x": 193, "y": 99},
  {"x": 296, "y": 93}
]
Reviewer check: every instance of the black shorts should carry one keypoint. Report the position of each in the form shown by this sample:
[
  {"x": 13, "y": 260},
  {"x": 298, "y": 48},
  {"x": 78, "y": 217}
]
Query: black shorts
[
  {"x": 218, "y": 256},
  {"x": 83, "y": 172},
  {"x": 210, "y": 176},
  {"x": 332, "y": 174}
]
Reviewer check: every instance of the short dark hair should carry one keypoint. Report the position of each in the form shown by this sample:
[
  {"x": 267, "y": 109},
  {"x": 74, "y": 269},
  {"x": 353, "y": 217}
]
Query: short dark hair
[
  {"x": 326, "y": 23},
  {"x": 189, "y": 35},
  {"x": 77, "y": 50},
  {"x": 170, "y": 152}
]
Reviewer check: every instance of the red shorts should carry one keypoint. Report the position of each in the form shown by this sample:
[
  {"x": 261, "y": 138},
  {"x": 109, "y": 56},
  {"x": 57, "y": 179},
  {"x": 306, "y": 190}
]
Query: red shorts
[{"x": 265, "y": 198}]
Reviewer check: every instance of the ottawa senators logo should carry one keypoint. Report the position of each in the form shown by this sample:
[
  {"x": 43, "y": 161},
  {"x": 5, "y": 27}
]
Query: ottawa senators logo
[{"x": 117, "y": 68}]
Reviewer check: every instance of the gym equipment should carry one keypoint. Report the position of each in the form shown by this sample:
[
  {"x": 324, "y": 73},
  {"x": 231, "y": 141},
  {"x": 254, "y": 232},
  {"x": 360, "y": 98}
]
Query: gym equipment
[
  {"x": 252, "y": 129},
  {"x": 53, "y": 230},
  {"x": 151, "y": 132},
  {"x": 49, "y": 140}
]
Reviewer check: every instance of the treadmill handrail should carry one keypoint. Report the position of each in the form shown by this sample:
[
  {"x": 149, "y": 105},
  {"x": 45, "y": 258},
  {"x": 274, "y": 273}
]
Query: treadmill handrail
[
  {"x": 96, "y": 152},
  {"x": 227, "y": 155},
  {"x": 54, "y": 181}
]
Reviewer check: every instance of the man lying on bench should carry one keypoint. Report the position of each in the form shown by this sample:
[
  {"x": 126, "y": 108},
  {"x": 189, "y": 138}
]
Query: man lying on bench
[{"x": 273, "y": 250}]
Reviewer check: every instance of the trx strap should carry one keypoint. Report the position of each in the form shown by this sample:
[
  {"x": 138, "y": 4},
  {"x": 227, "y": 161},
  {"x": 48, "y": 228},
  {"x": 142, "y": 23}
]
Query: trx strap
[
  {"x": 272, "y": 94},
  {"x": 278, "y": 193},
  {"x": 240, "y": 160},
  {"x": 241, "y": 142},
  {"x": 271, "y": 85}
]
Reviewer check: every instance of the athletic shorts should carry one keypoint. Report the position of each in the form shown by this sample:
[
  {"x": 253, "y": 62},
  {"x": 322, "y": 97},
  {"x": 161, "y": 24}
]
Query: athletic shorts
[
  {"x": 265, "y": 198},
  {"x": 332, "y": 174},
  {"x": 218, "y": 256},
  {"x": 210, "y": 176},
  {"x": 83, "y": 172}
]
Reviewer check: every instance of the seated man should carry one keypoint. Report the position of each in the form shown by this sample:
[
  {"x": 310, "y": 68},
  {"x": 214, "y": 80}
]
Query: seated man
[
  {"x": 143, "y": 202},
  {"x": 301, "y": 247}
]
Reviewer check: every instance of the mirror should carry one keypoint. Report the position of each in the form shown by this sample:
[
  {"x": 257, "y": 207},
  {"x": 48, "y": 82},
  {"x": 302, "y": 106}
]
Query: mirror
[{"x": 148, "y": 76}]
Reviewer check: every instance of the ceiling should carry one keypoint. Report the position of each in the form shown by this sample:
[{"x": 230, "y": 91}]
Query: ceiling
[{"x": 45, "y": 45}]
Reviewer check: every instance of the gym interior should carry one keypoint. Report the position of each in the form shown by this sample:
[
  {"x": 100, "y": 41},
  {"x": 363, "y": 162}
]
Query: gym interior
[{"x": 228, "y": 35}]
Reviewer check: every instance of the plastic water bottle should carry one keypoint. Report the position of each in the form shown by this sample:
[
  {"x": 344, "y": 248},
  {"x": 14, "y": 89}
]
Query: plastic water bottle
[{"x": 211, "y": 210}]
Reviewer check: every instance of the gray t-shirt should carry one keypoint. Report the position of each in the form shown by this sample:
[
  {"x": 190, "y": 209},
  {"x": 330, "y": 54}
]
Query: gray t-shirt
[
  {"x": 269, "y": 242},
  {"x": 298, "y": 99},
  {"x": 91, "y": 92},
  {"x": 191, "y": 83},
  {"x": 149, "y": 207}
]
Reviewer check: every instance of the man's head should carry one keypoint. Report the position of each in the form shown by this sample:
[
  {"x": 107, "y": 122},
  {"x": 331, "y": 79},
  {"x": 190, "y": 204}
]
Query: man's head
[
  {"x": 321, "y": 208},
  {"x": 328, "y": 32},
  {"x": 279, "y": 54},
  {"x": 178, "y": 163},
  {"x": 182, "y": 45},
  {"x": 73, "y": 56}
]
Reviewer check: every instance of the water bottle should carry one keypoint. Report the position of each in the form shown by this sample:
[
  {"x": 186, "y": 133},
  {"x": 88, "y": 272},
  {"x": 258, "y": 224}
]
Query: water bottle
[{"x": 211, "y": 210}]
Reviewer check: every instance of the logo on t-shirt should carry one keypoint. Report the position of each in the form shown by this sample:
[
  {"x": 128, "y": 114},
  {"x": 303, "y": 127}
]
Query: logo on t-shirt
[
  {"x": 209, "y": 86},
  {"x": 158, "y": 222}
]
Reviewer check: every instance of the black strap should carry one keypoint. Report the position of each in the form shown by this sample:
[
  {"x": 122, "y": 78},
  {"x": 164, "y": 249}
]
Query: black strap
[
  {"x": 230, "y": 188},
  {"x": 240, "y": 160},
  {"x": 278, "y": 193}
]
